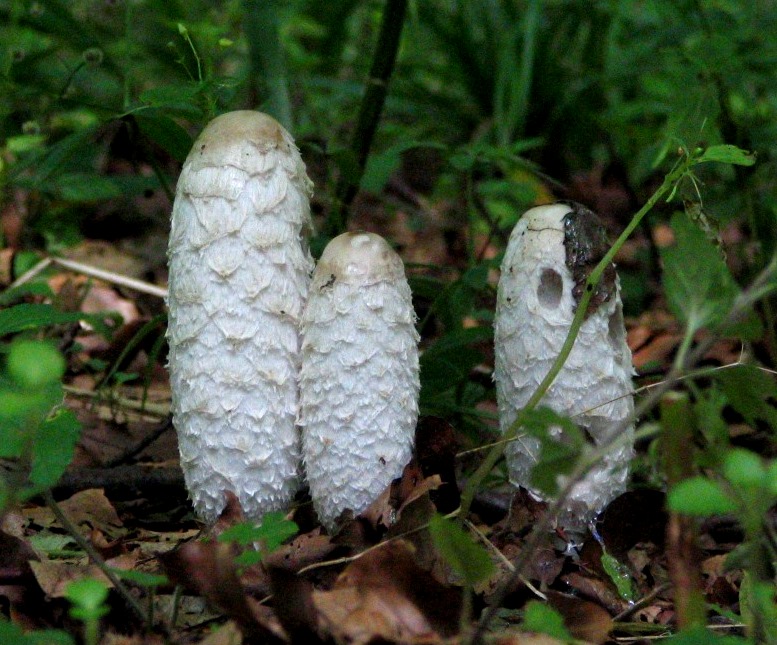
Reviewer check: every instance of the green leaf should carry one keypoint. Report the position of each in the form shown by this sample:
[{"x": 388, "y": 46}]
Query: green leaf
[
  {"x": 698, "y": 285},
  {"x": 756, "y": 599},
  {"x": 744, "y": 469},
  {"x": 699, "y": 635},
  {"x": 180, "y": 99},
  {"x": 543, "y": 619},
  {"x": 9, "y": 296},
  {"x": 700, "y": 497},
  {"x": 557, "y": 456},
  {"x": 620, "y": 576},
  {"x": 726, "y": 153},
  {"x": 751, "y": 392},
  {"x": 467, "y": 558},
  {"x": 381, "y": 166},
  {"x": 272, "y": 532},
  {"x": 34, "y": 316},
  {"x": 34, "y": 364},
  {"x": 86, "y": 187},
  {"x": 50, "y": 543},
  {"x": 140, "y": 578},
  {"x": 450, "y": 359},
  {"x": 165, "y": 132},
  {"x": 13, "y": 634},
  {"x": 88, "y": 597},
  {"x": 54, "y": 446}
]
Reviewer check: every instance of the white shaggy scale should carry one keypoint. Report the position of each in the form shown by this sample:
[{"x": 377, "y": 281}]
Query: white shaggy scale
[
  {"x": 359, "y": 380},
  {"x": 239, "y": 277},
  {"x": 535, "y": 307}
]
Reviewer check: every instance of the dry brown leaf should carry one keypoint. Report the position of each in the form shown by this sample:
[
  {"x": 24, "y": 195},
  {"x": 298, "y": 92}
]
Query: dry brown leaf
[
  {"x": 88, "y": 509},
  {"x": 360, "y": 616},
  {"x": 228, "y": 634},
  {"x": 584, "y": 620}
]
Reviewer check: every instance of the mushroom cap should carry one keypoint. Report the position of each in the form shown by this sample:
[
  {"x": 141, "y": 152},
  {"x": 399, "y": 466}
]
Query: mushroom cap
[
  {"x": 358, "y": 258},
  {"x": 223, "y": 136},
  {"x": 547, "y": 216}
]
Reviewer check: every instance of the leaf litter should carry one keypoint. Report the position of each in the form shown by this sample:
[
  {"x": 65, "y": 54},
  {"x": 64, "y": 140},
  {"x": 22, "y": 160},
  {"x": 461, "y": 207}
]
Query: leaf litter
[{"x": 379, "y": 578}]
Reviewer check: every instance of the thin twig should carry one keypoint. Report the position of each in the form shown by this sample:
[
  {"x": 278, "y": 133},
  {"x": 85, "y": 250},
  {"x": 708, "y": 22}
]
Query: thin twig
[
  {"x": 89, "y": 549},
  {"x": 148, "y": 409},
  {"x": 111, "y": 277},
  {"x": 502, "y": 558}
]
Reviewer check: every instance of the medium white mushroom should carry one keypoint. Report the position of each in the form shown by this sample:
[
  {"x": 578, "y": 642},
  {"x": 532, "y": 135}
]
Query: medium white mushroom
[
  {"x": 551, "y": 251},
  {"x": 239, "y": 276},
  {"x": 359, "y": 381}
]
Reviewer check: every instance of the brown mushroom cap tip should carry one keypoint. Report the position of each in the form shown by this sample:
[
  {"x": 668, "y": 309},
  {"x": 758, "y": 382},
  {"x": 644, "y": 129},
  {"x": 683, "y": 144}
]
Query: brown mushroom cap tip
[
  {"x": 240, "y": 126},
  {"x": 359, "y": 258}
]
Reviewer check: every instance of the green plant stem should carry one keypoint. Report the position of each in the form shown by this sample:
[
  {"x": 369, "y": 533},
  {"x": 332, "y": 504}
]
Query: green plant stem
[
  {"x": 370, "y": 110},
  {"x": 760, "y": 286},
  {"x": 89, "y": 549},
  {"x": 268, "y": 65},
  {"x": 468, "y": 494}
]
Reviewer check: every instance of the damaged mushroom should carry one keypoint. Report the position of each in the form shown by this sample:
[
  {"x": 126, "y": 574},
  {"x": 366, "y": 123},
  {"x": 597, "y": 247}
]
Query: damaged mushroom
[
  {"x": 239, "y": 277},
  {"x": 550, "y": 254},
  {"x": 359, "y": 380}
]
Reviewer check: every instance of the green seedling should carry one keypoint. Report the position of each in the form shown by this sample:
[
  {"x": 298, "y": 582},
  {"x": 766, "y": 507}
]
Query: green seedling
[{"x": 88, "y": 597}]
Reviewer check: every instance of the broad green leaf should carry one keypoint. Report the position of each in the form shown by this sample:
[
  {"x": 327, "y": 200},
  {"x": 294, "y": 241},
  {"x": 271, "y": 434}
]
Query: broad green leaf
[
  {"x": 86, "y": 187},
  {"x": 34, "y": 316},
  {"x": 541, "y": 618},
  {"x": 9, "y": 296},
  {"x": 700, "y": 497},
  {"x": 165, "y": 132},
  {"x": 466, "y": 557},
  {"x": 744, "y": 469},
  {"x": 34, "y": 364},
  {"x": 272, "y": 532},
  {"x": 54, "y": 446},
  {"x": 726, "y": 153},
  {"x": 698, "y": 285},
  {"x": 751, "y": 392}
]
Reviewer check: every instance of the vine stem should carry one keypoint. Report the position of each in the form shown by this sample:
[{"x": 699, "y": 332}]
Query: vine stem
[{"x": 475, "y": 481}]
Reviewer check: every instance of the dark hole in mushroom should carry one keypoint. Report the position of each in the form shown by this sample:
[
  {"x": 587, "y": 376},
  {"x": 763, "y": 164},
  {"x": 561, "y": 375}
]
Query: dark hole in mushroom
[{"x": 550, "y": 289}]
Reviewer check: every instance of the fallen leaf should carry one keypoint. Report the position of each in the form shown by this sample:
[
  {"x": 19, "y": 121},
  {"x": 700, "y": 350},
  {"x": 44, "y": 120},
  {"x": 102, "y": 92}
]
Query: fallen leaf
[{"x": 584, "y": 620}]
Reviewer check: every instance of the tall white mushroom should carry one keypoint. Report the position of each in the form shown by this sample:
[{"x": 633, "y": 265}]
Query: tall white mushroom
[
  {"x": 359, "y": 381},
  {"x": 239, "y": 276},
  {"x": 551, "y": 251}
]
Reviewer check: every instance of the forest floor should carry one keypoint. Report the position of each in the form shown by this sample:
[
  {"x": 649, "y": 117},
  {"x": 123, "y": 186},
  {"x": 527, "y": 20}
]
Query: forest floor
[{"x": 379, "y": 579}]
